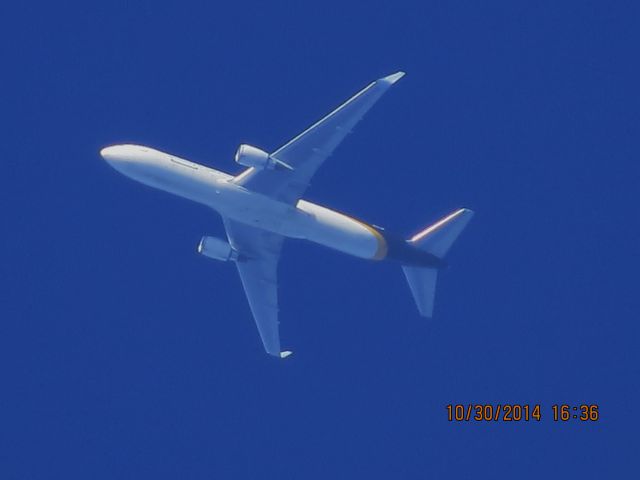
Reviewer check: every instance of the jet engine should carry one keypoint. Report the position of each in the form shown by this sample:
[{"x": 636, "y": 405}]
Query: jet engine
[
  {"x": 217, "y": 249},
  {"x": 250, "y": 156}
]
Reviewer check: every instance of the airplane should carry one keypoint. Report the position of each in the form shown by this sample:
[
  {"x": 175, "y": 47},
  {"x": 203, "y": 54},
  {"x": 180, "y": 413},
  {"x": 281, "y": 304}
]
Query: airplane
[{"x": 263, "y": 205}]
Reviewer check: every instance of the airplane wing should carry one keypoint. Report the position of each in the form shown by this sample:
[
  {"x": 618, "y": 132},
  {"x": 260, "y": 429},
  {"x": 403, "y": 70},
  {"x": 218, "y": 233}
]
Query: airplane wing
[
  {"x": 306, "y": 152},
  {"x": 259, "y": 252}
]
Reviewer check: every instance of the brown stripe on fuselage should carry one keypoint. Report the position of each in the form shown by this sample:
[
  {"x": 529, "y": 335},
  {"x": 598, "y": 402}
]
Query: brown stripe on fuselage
[{"x": 383, "y": 248}]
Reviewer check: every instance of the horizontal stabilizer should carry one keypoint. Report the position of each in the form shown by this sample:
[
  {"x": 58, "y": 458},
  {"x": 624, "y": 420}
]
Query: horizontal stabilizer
[
  {"x": 285, "y": 354},
  {"x": 438, "y": 238},
  {"x": 422, "y": 282}
]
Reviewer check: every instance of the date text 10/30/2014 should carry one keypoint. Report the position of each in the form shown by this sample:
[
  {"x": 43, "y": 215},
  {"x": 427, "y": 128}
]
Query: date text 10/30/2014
[{"x": 515, "y": 412}]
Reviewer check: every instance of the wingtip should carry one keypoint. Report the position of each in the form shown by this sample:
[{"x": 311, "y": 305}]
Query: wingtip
[
  {"x": 285, "y": 354},
  {"x": 393, "y": 78}
]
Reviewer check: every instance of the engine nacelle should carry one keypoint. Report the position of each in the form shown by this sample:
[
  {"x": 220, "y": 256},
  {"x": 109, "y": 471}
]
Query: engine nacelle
[
  {"x": 217, "y": 249},
  {"x": 254, "y": 157},
  {"x": 250, "y": 156}
]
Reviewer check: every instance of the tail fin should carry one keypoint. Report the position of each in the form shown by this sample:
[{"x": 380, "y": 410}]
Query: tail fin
[{"x": 435, "y": 239}]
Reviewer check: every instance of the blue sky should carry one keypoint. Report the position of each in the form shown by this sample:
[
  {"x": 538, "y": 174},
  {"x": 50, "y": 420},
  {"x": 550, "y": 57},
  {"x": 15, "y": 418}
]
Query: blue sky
[{"x": 123, "y": 354}]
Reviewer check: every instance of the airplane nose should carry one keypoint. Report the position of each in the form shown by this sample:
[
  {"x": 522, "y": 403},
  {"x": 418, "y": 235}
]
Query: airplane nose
[
  {"x": 126, "y": 159},
  {"x": 110, "y": 154}
]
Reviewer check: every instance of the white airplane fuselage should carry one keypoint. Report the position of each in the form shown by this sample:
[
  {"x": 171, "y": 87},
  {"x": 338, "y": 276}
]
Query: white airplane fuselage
[{"x": 217, "y": 190}]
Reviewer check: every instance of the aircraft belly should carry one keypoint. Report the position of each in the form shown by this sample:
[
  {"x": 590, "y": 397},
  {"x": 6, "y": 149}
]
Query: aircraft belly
[
  {"x": 259, "y": 211},
  {"x": 195, "y": 185},
  {"x": 205, "y": 186},
  {"x": 313, "y": 222}
]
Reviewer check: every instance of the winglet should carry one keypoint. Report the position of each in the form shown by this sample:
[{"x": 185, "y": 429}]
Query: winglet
[
  {"x": 285, "y": 354},
  {"x": 393, "y": 78}
]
